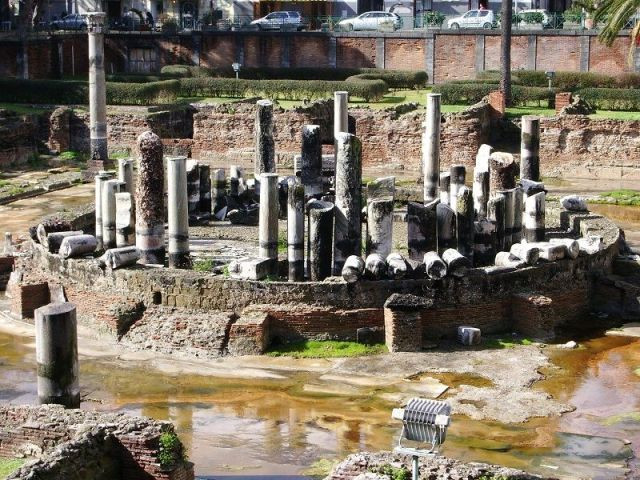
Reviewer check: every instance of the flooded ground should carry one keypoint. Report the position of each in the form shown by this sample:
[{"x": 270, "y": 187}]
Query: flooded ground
[{"x": 273, "y": 426}]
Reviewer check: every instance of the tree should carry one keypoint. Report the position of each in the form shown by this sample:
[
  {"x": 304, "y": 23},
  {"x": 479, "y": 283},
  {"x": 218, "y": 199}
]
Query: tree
[
  {"x": 505, "y": 51},
  {"x": 617, "y": 14}
]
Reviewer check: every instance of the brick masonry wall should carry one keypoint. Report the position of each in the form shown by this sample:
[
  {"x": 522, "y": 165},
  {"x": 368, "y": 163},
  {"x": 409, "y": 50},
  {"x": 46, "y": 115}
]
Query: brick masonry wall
[
  {"x": 519, "y": 52},
  {"x": 552, "y": 52},
  {"x": 454, "y": 58},
  {"x": 355, "y": 52},
  {"x": 309, "y": 52},
  {"x": 608, "y": 60},
  {"x": 404, "y": 54}
]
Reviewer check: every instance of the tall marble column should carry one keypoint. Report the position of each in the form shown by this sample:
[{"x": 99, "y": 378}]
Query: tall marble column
[
  {"x": 268, "y": 220},
  {"x": 264, "y": 144},
  {"x": 178, "y": 213},
  {"x": 311, "y": 160},
  {"x": 431, "y": 153},
  {"x": 530, "y": 148}
]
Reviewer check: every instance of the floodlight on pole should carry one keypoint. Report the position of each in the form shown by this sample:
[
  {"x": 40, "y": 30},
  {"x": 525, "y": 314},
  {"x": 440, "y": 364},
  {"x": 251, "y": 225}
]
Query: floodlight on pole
[
  {"x": 424, "y": 421},
  {"x": 550, "y": 75},
  {"x": 236, "y": 68}
]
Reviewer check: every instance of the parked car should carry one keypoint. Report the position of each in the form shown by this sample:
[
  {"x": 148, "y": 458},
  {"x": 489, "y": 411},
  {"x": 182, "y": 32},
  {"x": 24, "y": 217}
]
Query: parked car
[
  {"x": 74, "y": 21},
  {"x": 473, "y": 19},
  {"x": 279, "y": 21},
  {"x": 370, "y": 21}
]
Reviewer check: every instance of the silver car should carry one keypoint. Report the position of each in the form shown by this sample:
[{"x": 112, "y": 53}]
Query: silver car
[
  {"x": 74, "y": 21},
  {"x": 280, "y": 21},
  {"x": 371, "y": 21}
]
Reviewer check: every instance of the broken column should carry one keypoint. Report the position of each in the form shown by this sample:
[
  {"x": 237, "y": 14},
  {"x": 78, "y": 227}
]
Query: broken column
[
  {"x": 484, "y": 241},
  {"x": 353, "y": 269},
  {"x": 445, "y": 185},
  {"x": 396, "y": 266},
  {"x": 340, "y": 113},
  {"x": 311, "y": 159},
  {"x": 495, "y": 213},
  {"x": 264, "y": 144},
  {"x": 205, "y": 189},
  {"x": 509, "y": 213},
  {"x": 530, "y": 148},
  {"x": 431, "y": 153},
  {"x": 518, "y": 208},
  {"x": 57, "y": 354},
  {"x": 100, "y": 180},
  {"x": 534, "y": 218},
  {"x": 218, "y": 190},
  {"x": 502, "y": 172},
  {"x": 464, "y": 222},
  {"x": 125, "y": 220},
  {"x": 125, "y": 174},
  {"x": 77, "y": 245},
  {"x": 446, "y": 227},
  {"x": 480, "y": 192},
  {"x": 422, "y": 229},
  {"x": 347, "y": 231},
  {"x": 193, "y": 187},
  {"x": 375, "y": 267},
  {"x": 456, "y": 182},
  {"x": 99, "y": 158},
  {"x": 149, "y": 199},
  {"x": 178, "y": 213},
  {"x": 457, "y": 264},
  {"x": 268, "y": 220},
  {"x": 435, "y": 267},
  {"x": 380, "y": 198},
  {"x": 320, "y": 239},
  {"x": 109, "y": 190},
  {"x": 295, "y": 231}
]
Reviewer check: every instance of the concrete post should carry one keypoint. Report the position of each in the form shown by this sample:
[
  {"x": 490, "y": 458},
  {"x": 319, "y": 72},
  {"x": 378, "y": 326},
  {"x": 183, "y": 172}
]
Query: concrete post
[
  {"x": 480, "y": 192},
  {"x": 464, "y": 222},
  {"x": 445, "y": 186},
  {"x": 218, "y": 189},
  {"x": 311, "y": 168},
  {"x": 178, "y": 212},
  {"x": 340, "y": 113},
  {"x": 320, "y": 239},
  {"x": 268, "y": 220},
  {"x": 264, "y": 145},
  {"x": 205, "y": 189},
  {"x": 125, "y": 220},
  {"x": 502, "y": 174},
  {"x": 150, "y": 200},
  {"x": 347, "y": 230},
  {"x": 446, "y": 227},
  {"x": 97, "y": 93},
  {"x": 422, "y": 229},
  {"x": 295, "y": 231},
  {"x": 57, "y": 354},
  {"x": 109, "y": 190},
  {"x": 457, "y": 177},
  {"x": 100, "y": 180},
  {"x": 125, "y": 174},
  {"x": 534, "y": 217},
  {"x": 530, "y": 148},
  {"x": 193, "y": 187},
  {"x": 431, "y": 153},
  {"x": 495, "y": 212}
]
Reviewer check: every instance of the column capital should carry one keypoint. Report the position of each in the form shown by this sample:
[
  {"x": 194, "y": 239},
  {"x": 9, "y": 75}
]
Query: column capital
[{"x": 95, "y": 22}]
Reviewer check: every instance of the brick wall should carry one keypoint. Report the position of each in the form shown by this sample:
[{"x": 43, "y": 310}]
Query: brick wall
[
  {"x": 558, "y": 53},
  {"x": 217, "y": 52},
  {"x": 355, "y": 52},
  {"x": 404, "y": 54},
  {"x": 309, "y": 52},
  {"x": 454, "y": 58},
  {"x": 519, "y": 52}
]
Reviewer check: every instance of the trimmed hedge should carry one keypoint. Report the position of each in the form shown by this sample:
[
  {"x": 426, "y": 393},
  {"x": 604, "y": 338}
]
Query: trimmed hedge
[
  {"x": 77, "y": 93},
  {"x": 612, "y": 98},
  {"x": 566, "y": 81},
  {"x": 470, "y": 93},
  {"x": 279, "y": 89}
]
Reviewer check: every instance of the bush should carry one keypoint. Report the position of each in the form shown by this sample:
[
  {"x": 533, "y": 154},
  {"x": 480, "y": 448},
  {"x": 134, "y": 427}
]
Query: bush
[
  {"x": 180, "y": 71},
  {"x": 532, "y": 17},
  {"x": 566, "y": 81},
  {"x": 433, "y": 19},
  {"x": 151, "y": 93},
  {"x": 612, "y": 98},
  {"x": 470, "y": 93},
  {"x": 138, "y": 77},
  {"x": 394, "y": 78},
  {"x": 279, "y": 89}
]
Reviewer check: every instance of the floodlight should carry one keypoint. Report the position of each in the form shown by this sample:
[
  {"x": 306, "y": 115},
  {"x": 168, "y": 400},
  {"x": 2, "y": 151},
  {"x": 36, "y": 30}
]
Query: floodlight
[
  {"x": 236, "y": 68},
  {"x": 550, "y": 75}
]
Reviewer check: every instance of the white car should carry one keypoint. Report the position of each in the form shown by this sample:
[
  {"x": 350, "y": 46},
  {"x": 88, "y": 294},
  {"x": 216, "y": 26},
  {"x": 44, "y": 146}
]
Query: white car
[
  {"x": 473, "y": 19},
  {"x": 280, "y": 21},
  {"x": 370, "y": 21}
]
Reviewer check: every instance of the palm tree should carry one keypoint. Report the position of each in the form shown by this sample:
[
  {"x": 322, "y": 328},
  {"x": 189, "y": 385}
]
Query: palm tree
[
  {"x": 616, "y": 14},
  {"x": 505, "y": 51}
]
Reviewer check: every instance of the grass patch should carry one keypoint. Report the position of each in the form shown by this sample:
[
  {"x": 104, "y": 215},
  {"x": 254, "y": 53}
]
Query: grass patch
[
  {"x": 282, "y": 244},
  {"x": 203, "y": 265},
  {"x": 325, "y": 349},
  {"x": 501, "y": 343},
  {"x": 620, "y": 197},
  {"x": 22, "y": 109},
  {"x": 320, "y": 468},
  {"x": 633, "y": 417},
  {"x": 4, "y": 183},
  {"x": 9, "y": 465},
  {"x": 119, "y": 155}
]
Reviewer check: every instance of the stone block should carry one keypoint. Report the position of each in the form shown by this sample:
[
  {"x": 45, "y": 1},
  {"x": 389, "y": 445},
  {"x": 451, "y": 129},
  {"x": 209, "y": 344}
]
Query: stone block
[
  {"x": 403, "y": 322},
  {"x": 251, "y": 268},
  {"x": 249, "y": 335},
  {"x": 469, "y": 336},
  {"x": 25, "y": 298},
  {"x": 370, "y": 335}
]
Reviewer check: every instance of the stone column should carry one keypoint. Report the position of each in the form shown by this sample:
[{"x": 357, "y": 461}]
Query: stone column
[
  {"x": 235, "y": 174},
  {"x": 422, "y": 229},
  {"x": 518, "y": 208},
  {"x": 353, "y": 269},
  {"x": 125, "y": 220},
  {"x": 495, "y": 213},
  {"x": 178, "y": 213},
  {"x": 97, "y": 94},
  {"x": 509, "y": 215},
  {"x": 446, "y": 227},
  {"x": 340, "y": 113},
  {"x": 502, "y": 174},
  {"x": 480, "y": 192},
  {"x": 100, "y": 180},
  {"x": 218, "y": 189},
  {"x": 534, "y": 218},
  {"x": 484, "y": 242},
  {"x": 380, "y": 227},
  {"x": 347, "y": 231},
  {"x": 457, "y": 176},
  {"x": 268, "y": 220},
  {"x": 295, "y": 231},
  {"x": 445, "y": 186},
  {"x": 311, "y": 168},
  {"x": 464, "y": 222},
  {"x": 320, "y": 239},
  {"x": 109, "y": 190},
  {"x": 57, "y": 354},
  {"x": 431, "y": 153},
  {"x": 125, "y": 174},
  {"x": 530, "y": 148},
  {"x": 150, "y": 200},
  {"x": 193, "y": 187},
  {"x": 205, "y": 189},
  {"x": 265, "y": 147}
]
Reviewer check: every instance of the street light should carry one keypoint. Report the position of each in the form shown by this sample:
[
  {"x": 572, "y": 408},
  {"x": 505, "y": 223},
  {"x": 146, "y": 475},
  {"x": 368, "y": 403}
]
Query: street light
[
  {"x": 236, "y": 68},
  {"x": 423, "y": 421},
  {"x": 550, "y": 74}
]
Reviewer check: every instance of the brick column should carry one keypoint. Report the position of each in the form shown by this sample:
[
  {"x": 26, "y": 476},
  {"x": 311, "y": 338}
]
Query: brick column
[
  {"x": 403, "y": 322},
  {"x": 562, "y": 100},
  {"x": 497, "y": 104}
]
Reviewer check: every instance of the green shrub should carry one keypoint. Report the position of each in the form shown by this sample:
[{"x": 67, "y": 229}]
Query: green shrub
[
  {"x": 394, "y": 78},
  {"x": 171, "y": 452},
  {"x": 279, "y": 89},
  {"x": 139, "y": 77},
  {"x": 612, "y": 98},
  {"x": 470, "y": 93},
  {"x": 532, "y": 17},
  {"x": 151, "y": 93},
  {"x": 177, "y": 70},
  {"x": 44, "y": 91},
  {"x": 433, "y": 19},
  {"x": 566, "y": 81}
]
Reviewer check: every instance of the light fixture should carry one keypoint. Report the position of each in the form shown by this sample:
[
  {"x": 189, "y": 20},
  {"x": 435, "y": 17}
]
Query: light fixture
[
  {"x": 550, "y": 74},
  {"x": 424, "y": 421},
  {"x": 236, "y": 68}
]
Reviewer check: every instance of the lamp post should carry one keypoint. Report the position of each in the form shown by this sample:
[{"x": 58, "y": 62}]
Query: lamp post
[
  {"x": 236, "y": 68},
  {"x": 550, "y": 75}
]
